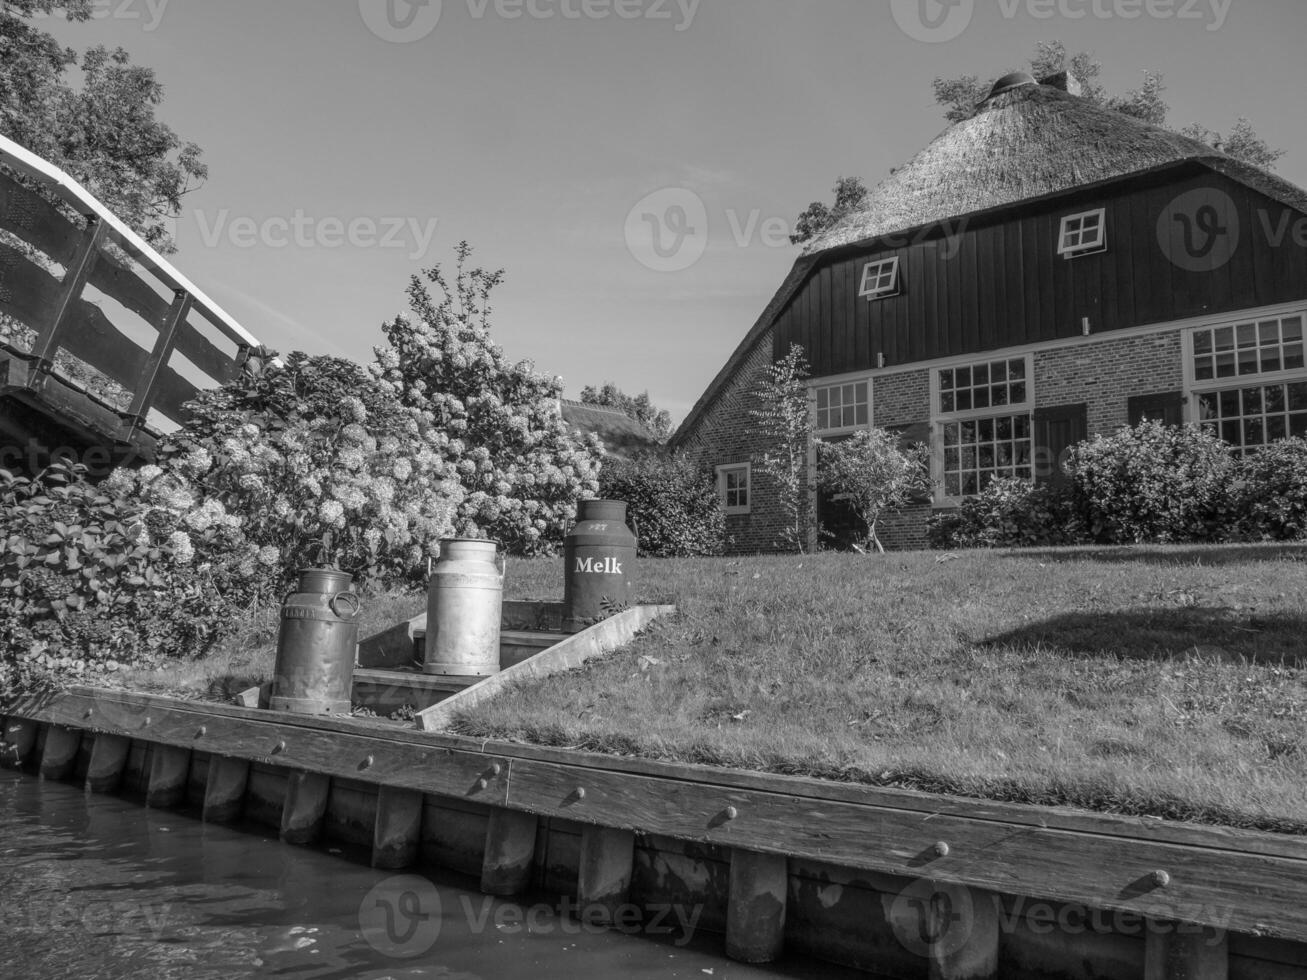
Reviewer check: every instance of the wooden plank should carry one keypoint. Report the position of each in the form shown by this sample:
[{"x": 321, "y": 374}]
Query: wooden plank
[
  {"x": 509, "y": 852},
  {"x": 305, "y": 808},
  {"x": 27, "y": 292},
  {"x": 398, "y": 830},
  {"x": 108, "y": 706},
  {"x": 224, "y": 789},
  {"x": 124, "y": 285},
  {"x": 595, "y": 641},
  {"x": 108, "y": 762},
  {"x": 755, "y": 909},
  {"x": 19, "y": 741},
  {"x": 52, "y": 334},
  {"x": 36, "y": 221},
  {"x": 604, "y": 878},
  {"x": 172, "y": 394},
  {"x": 1209, "y": 888},
  {"x": 170, "y": 767},
  {"x": 154, "y": 364},
  {"x": 1174, "y": 954},
  {"x": 59, "y": 753}
]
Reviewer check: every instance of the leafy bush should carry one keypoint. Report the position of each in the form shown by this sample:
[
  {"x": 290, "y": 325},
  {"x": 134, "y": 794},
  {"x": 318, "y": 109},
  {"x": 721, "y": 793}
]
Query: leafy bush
[
  {"x": 1009, "y": 514},
  {"x": 874, "y": 474},
  {"x": 1273, "y": 491},
  {"x": 92, "y": 581},
  {"x": 674, "y": 503},
  {"x": 320, "y": 462},
  {"x": 1155, "y": 482},
  {"x": 499, "y": 423}
]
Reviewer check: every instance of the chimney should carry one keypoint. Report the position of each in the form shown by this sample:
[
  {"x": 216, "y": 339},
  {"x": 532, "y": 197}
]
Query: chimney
[{"x": 1065, "y": 81}]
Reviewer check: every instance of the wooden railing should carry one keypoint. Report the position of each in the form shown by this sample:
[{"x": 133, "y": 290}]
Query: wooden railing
[{"x": 147, "y": 339}]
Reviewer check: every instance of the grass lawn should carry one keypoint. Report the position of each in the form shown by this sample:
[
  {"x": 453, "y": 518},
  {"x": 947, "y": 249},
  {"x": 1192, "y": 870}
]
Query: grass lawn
[{"x": 1155, "y": 681}]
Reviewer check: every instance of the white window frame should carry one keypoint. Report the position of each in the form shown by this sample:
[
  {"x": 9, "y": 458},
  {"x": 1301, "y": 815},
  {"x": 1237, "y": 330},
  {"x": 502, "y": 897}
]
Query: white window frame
[
  {"x": 1196, "y": 388},
  {"x": 939, "y": 419},
  {"x": 722, "y": 471},
  {"x": 1082, "y": 246},
  {"x": 826, "y": 384},
  {"x": 875, "y": 271}
]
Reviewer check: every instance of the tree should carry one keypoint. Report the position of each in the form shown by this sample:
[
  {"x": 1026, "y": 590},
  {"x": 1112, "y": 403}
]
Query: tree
[
  {"x": 875, "y": 474},
  {"x": 498, "y": 423},
  {"x": 850, "y": 195},
  {"x": 961, "y": 95},
  {"x": 673, "y": 503},
  {"x": 783, "y": 417},
  {"x": 102, "y": 131},
  {"x": 658, "y": 421}
]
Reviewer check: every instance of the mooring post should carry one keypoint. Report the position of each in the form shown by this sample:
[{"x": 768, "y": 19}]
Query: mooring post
[
  {"x": 224, "y": 789},
  {"x": 967, "y": 922},
  {"x": 755, "y": 909},
  {"x": 604, "y": 877},
  {"x": 1183, "y": 952},
  {"x": 398, "y": 830},
  {"x": 170, "y": 765},
  {"x": 305, "y": 807},
  {"x": 108, "y": 760},
  {"x": 60, "y": 753},
  {"x": 19, "y": 740},
  {"x": 510, "y": 852}
]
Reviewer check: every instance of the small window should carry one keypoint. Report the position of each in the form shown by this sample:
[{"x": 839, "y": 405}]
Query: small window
[
  {"x": 842, "y": 406},
  {"x": 733, "y": 487},
  {"x": 1082, "y": 233},
  {"x": 880, "y": 279}
]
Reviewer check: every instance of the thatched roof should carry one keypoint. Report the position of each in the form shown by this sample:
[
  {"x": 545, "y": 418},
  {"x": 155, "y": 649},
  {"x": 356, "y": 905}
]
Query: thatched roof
[
  {"x": 1029, "y": 142},
  {"x": 621, "y": 434}
]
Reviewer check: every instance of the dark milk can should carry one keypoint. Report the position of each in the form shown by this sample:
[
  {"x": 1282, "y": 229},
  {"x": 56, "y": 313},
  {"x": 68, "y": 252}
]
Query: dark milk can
[
  {"x": 465, "y": 599},
  {"x": 599, "y": 555},
  {"x": 317, "y": 644}
]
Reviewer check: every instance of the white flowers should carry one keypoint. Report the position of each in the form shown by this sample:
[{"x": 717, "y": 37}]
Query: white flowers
[{"x": 182, "y": 549}]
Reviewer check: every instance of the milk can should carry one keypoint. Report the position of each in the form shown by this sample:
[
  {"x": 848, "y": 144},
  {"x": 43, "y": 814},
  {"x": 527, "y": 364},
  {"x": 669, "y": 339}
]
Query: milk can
[
  {"x": 599, "y": 557},
  {"x": 316, "y": 644},
  {"x": 464, "y": 603}
]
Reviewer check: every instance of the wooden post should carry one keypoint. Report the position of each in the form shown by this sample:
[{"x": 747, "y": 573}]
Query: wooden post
[
  {"x": 164, "y": 343},
  {"x": 60, "y": 753},
  {"x": 19, "y": 740},
  {"x": 224, "y": 789},
  {"x": 169, "y": 767},
  {"x": 976, "y": 956},
  {"x": 47, "y": 340},
  {"x": 398, "y": 830},
  {"x": 755, "y": 910},
  {"x": 510, "y": 852},
  {"x": 604, "y": 877},
  {"x": 305, "y": 806},
  {"x": 108, "y": 760},
  {"x": 1183, "y": 952}
]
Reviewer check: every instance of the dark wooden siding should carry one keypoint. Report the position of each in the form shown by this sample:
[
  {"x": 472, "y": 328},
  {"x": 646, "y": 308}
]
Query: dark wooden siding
[{"x": 1000, "y": 282}]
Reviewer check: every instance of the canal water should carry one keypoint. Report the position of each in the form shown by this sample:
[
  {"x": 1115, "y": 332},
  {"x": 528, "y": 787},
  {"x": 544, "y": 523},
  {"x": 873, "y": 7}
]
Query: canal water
[{"x": 97, "y": 887}]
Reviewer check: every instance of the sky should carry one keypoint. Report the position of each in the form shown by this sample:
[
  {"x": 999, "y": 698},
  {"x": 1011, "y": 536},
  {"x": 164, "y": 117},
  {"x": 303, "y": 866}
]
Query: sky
[{"x": 634, "y": 166}]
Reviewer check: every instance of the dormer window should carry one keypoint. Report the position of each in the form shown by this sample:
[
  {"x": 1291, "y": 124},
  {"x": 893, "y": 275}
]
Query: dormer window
[
  {"x": 880, "y": 278},
  {"x": 1082, "y": 233}
]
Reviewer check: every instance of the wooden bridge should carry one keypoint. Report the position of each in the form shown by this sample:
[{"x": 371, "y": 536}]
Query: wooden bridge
[{"x": 102, "y": 340}]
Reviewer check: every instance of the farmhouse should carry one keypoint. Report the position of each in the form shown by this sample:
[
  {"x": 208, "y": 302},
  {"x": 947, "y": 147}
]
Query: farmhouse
[{"x": 1042, "y": 272}]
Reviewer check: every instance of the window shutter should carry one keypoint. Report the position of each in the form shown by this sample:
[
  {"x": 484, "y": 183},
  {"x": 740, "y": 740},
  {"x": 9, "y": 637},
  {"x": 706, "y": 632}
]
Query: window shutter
[
  {"x": 1056, "y": 431},
  {"x": 1167, "y": 408}
]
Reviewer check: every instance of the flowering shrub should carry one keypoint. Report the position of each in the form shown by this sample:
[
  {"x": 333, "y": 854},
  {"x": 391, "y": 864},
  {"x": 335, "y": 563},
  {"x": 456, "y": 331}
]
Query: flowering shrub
[
  {"x": 307, "y": 461},
  {"x": 91, "y": 581},
  {"x": 1155, "y": 482},
  {"x": 499, "y": 425},
  {"x": 673, "y": 503}
]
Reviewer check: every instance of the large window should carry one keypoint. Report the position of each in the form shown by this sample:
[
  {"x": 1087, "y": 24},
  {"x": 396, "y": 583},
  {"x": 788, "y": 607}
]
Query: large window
[
  {"x": 843, "y": 406},
  {"x": 1257, "y": 347},
  {"x": 982, "y": 414},
  {"x": 1250, "y": 417},
  {"x": 733, "y": 487}
]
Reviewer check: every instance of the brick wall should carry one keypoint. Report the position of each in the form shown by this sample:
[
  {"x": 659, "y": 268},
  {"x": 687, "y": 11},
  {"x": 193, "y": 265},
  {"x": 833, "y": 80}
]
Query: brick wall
[
  {"x": 1106, "y": 373},
  {"x": 726, "y": 433},
  {"x": 902, "y": 399}
]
